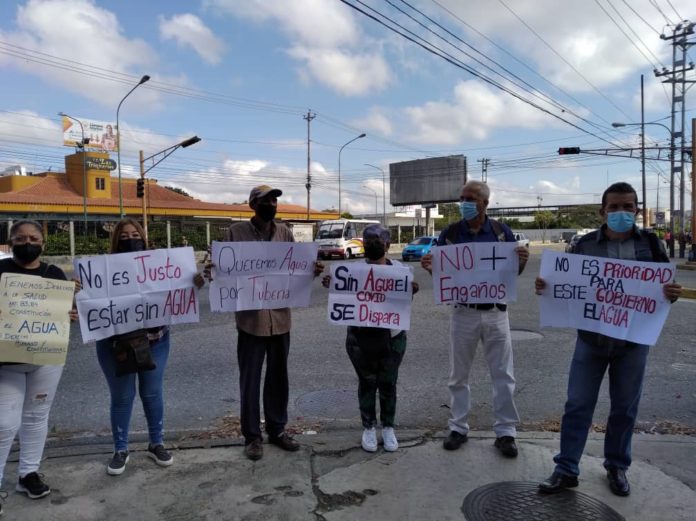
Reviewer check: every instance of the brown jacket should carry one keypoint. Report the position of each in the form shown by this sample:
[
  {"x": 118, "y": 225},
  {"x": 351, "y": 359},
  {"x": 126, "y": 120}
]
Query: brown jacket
[{"x": 261, "y": 322}]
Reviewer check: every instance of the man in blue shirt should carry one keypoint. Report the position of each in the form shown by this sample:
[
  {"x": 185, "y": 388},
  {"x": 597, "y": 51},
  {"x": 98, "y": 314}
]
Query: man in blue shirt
[
  {"x": 618, "y": 238},
  {"x": 487, "y": 322}
]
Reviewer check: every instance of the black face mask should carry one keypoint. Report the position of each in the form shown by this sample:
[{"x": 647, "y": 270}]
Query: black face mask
[
  {"x": 266, "y": 212},
  {"x": 26, "y": 253},
  {"x": 374, "y": 250},
  {"x": 126, "y": 245}
]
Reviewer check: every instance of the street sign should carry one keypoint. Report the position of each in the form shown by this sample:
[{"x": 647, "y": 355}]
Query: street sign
[{"x": 100, "y": 163}]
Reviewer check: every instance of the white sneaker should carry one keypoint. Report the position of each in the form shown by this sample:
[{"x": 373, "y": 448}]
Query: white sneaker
[
  {"x": 369, "y": 440},
  {"x": 389, "y": 437}
]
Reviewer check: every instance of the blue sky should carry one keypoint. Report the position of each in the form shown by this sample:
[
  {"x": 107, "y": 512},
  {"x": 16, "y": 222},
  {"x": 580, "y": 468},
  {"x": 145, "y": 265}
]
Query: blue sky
[{"x": 242, "y": 73}]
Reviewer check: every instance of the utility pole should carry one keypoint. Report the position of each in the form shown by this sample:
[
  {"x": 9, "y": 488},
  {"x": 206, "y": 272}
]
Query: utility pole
[
  {"x": 484, "y": 168},
  {"x": 309, "y": 117},
  {"x": 677, "y": 77},
  {"x": 693, "y": 190}
]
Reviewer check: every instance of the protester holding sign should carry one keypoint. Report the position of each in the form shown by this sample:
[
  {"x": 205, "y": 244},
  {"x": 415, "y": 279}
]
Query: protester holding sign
[
  {"x": 376, "y": 352},
  {"x": 138, "y": 355},
  {"x": 27, "y": 391},
  {"x": 487, "y": 322},
  {"x": 263, "y": 333},
  {"x": 618, "y": 238}
]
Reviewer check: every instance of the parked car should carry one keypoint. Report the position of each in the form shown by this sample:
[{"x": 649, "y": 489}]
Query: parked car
[
  {"x": 418, "y": 247},
  {"x": 521, "y": 239},
  {"x": 570, "y": 247}
]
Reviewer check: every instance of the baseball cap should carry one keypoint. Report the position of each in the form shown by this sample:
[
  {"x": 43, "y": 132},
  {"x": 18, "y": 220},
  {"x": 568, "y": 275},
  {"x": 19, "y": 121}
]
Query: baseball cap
[
  {"x": 261, "y": 191},
  {"x": 376, "y": 231}
]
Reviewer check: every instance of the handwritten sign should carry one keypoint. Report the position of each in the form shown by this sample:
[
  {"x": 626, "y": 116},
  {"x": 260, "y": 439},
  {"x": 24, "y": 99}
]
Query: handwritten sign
[
  {"x": 475, "y": 273},
  {"x": 129, "y": 291},
  {"x": 370, "y": 295},
  {"x": 261, "y": 275},
  {"x": 34, "y": 319},
  {"x": 617, "y": 298}
]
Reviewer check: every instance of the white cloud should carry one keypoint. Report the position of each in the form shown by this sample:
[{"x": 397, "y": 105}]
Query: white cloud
[
  {"x": 474, "y": 112},
  {"x": 377, "y": 120},
  {"x": 81, "y": 31},
  {"x": 189, "y": 30},
  {"x": 325, "y": 38}
]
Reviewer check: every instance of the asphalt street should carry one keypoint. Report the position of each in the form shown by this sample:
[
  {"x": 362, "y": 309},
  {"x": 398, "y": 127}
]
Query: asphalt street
[{"x": 201, "y": 382}]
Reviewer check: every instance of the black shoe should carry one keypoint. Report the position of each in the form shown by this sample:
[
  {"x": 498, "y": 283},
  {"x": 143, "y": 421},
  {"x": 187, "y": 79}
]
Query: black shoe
[
  {"x": 118, "y": 463},
  {"x": 254, "y": 450},
  {"x": 454, "y": 440},
  {"x": 284, "y": 441},
  {"x": 507, "y": 446},
  {"x": 33, "y": 486},
  {"x": 557, "y": 482},
  {"x": 159, "y": 455},
  {"x": 618, "y": 482}
]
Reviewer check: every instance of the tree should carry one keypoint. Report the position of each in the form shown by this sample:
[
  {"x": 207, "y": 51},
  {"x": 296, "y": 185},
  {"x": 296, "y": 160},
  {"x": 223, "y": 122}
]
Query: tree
[
  {"x": 543, "y": 219},
  {"x": 346, "y": 215},
  {"x": 177, "y": 190}
]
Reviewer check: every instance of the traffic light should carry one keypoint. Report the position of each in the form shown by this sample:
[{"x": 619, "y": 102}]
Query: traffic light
[
  {"x": 568, "y": 150},
  {"x": 140, "y": 190}
]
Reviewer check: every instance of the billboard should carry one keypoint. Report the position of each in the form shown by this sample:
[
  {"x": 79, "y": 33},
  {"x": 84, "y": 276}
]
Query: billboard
[
  {"x": 427, "y": 181},
  {"x": 102, "y": 136}
]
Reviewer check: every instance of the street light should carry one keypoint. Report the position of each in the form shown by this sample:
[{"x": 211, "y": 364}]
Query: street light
[
  {"x": 81, "y": 146},
  {"x": 118, "y": 142},
  {"x": 642, "y": 159},
  {"x": 375, "y": 194},
  {"x": 339, "y": 169},
  {"x": 165, "y": 154},
  {"x": 384, "y": 197}
]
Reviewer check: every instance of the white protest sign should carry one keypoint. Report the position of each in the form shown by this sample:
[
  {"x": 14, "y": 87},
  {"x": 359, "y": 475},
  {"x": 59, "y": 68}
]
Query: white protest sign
[
  {"x": 475, "y": 273},
  {"x": 34, "y": 319},
  {"x": 370, "y": 295},
  {"x": 261, "y": 275},
  {"x": 128, "y": 291},
  {"x": 618, "y": 298}
]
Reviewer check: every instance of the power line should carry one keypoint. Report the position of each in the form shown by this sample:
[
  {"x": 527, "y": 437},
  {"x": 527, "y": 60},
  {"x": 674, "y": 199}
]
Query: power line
[{"x": 550, "y": 47}]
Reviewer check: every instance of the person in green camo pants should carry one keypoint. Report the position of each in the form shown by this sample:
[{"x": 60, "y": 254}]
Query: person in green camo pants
[{"x": 376, "y": 355}]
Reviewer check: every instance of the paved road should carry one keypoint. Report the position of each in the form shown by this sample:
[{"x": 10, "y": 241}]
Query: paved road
[{"x": 202, "y": 376}]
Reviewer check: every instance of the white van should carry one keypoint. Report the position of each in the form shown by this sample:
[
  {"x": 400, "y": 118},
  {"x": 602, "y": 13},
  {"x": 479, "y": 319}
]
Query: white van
[{"x": 342, "y": 238}]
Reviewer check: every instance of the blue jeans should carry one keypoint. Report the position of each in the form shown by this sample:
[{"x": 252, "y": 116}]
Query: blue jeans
[
  {"x": 122, "y": 389},
  {"x": 626, "y": 370}
]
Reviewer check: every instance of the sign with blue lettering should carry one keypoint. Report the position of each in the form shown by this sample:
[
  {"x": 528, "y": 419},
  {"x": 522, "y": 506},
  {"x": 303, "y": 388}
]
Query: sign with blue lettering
[
  {"x": 370, "y": 295},
  {"x": 261, "y": 275},
  {"x": 129, "y": 291},
  {"x": 34, "y": 320},
  {"x": 618, "y": 298},
  {"x": 475, "y": 273}
]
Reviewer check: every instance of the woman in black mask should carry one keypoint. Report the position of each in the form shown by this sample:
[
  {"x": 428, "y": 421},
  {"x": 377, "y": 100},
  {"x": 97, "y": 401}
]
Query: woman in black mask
[
  {"x": 21, "y": 384},
  {"x": 129, "y": 236}
]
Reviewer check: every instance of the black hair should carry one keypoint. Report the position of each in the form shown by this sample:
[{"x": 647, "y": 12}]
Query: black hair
[
  {"x": 619, "y": 188},
  {"x": 22, "y": 222}
]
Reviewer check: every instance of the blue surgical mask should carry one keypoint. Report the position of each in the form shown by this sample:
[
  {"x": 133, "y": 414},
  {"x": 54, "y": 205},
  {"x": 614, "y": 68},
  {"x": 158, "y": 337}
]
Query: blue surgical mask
[
  {"x": 468, "y": 210},
  {"x": 620, "y": 222}
]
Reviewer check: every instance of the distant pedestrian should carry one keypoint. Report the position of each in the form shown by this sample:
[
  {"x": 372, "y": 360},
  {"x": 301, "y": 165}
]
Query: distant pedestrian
[
  {"x": 27, "y": 391},
  {"x": 487, "y": 323},
  {"x": 376, "y": 355},
  {"x": 595, "y": 354}
]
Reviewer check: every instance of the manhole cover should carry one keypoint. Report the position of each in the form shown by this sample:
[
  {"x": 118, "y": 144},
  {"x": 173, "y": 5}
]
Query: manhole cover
[
  {"x": 330, "y": 403},
  {"x": 525, "y": 334},
  {"x": 520, "y": 501}
]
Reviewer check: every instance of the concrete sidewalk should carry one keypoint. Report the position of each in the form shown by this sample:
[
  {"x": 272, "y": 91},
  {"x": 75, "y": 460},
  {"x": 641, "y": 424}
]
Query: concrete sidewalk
[{"x": 332, "y": 478}]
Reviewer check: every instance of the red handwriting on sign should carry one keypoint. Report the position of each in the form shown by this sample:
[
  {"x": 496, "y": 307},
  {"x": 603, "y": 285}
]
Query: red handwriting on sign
[
  {"x": 460, "y": 259},
  {"x": 480, "y": 290},
  {"x": 378, "y": 318},
  {"x": 384, "y": 284},
  {"x": 146, "y": 271},
  {"x": 636, "y": 302},
  {"x": 180, "y": 302},
  {"x": 645, "y": 273}
]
